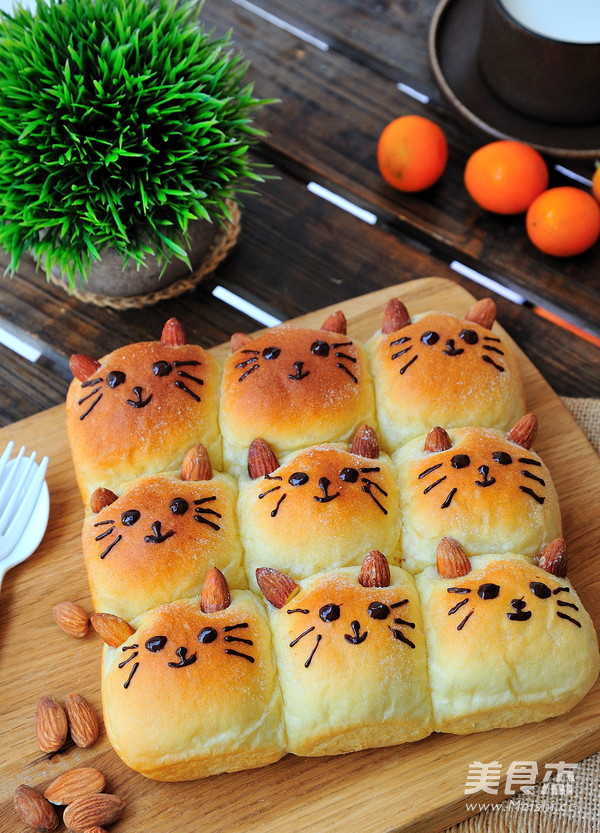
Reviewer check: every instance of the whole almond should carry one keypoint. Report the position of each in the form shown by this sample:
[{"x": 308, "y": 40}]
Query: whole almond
[
  {"x": 482, "y": 312},
  {"x": 375, "y": 570},
  {"x": 93, "y": 811},
  {"x": 554, "y": 558},
  {"x": 83, "y": 721},
  {"x": 277, "y": 587},
  {"x": 452, "y": 560},
  {"x": 240, "y": 340},
  {"x": 74, "y": 784},
  {"x": 72, "y": 618},
  {"x": 366, "y": 443},
  {"x": 100, "y": 498},
  {"x": 34, "y": 810},
  {"x": 82, "y": 366},
  {"x": 196, "y": 464},
  {"x": 96, "y": 829},
  {"x": 173, "y": 334},
  {"x": 437, "y": 440},
  {"x": 524, "y": 431},
  {"x": 335, "y": 323},
  {"x": 111, "y": 629},
  {"x": 395, "y": 316},
  {"x": 51, "y": 725},
  {"x": 215, "y": 592},
  {"x": 261, "y": 459}
]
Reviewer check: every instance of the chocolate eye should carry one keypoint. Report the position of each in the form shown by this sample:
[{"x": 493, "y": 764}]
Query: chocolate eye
[
  {"x": 349, "y": 475},
  {"x": 488, "y": 591},
  {"x": 179, "y": 506},
  {"x": 430, "y": 338},
  {"x": 329, "y": 613},
  {"x": 298, "y": 478},
  {"x": 162, "y": 368},
  {"x": 155, "y": 643},
  {"x": 207, "y": 635},
  {"x": 502, "y": 457},
  {"x": 319, "y": 348},
  {"x": 271, "y": 353},
  {"x": 470, "y": 336},
  {"x": 539, "y": 589},
  {"x": 130, "y": 517},
  {"x": 460, "y": 461},
  {"x": 115, "y": 378},
  {"x": 378, "y": 610}
]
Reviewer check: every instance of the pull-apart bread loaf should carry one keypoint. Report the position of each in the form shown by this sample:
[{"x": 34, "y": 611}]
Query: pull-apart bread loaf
[
  {"x": 442, "y": 370},
  {"x": 140, "y": 408},
  {"x": 295, "y": 388}
]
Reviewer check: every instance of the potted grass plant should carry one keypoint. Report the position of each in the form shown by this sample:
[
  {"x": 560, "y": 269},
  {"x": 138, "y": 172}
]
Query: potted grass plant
[{"x": 125, "y": 141}]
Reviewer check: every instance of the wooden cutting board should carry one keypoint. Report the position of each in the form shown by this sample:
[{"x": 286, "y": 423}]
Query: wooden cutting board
[{"x": 412, "y": 787}]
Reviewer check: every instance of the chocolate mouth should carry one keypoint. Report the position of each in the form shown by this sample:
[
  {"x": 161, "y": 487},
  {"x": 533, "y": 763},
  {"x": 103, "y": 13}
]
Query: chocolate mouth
[
  {"x": 451, "y": 350},
  {"x": 324, "y": 484},
  {"x": 357, "y": 636},
  {"x": 184, "y": 660},
  {"x": 158, "y": 536},
  {"x": 518, "y": 614},
  {"x": 139, "y": 402},
  {"x": 299, "y": 374}
]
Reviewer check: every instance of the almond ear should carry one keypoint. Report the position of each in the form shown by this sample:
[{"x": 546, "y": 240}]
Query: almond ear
[
  {"x": 554, "y": 558},
  {"x": 438, "y": 439},
  {"x": 483, "y": 312},
  {"x": 215, "y": 592},
  {"x": 173, "y": 334},
  {"x": 375, "y": 570},
  {"x": 366, "y": 442},
  {"x": 83, "y": 366},
  {"x": 240, "y": 340},
  {"x": 196, "y": 464},
  {"x": 395, "y": 316},
  {"x": 111, "y": 629},
  {"x": 100, "y": 498},
  {"x": 277, "y": 587},
  {"x": 452, "y": 560},
  {"x": 524, "y": 431},
  {"x": 336, "y": 323},
  {"x": 261, "y": 459}
]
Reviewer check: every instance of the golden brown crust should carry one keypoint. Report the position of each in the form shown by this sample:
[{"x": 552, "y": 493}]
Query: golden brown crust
[{"x": 113, "y": 441}]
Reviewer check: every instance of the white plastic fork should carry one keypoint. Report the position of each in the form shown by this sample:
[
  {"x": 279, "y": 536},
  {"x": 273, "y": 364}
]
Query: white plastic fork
[{"x": 24, "y": 506}]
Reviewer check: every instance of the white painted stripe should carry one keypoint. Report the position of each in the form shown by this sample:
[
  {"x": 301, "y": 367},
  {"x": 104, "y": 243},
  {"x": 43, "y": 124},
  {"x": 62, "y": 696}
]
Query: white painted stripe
[
  {"x": 572, "y": 175},
  {"x": 282, "y": 24},
  {"x": 246, "y": 307},
  {"x": 19, "y": 346},
  {"x": 404, "y": 88},
  {"x": 346, "y": 205},
  {"x": 483, "y": 280}
]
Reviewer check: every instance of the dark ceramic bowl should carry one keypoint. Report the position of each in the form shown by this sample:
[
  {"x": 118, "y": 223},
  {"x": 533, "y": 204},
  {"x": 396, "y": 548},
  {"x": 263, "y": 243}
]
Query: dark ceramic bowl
[{"x": 551, "y": 80}]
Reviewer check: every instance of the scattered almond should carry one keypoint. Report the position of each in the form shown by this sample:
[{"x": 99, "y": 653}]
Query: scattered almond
[
  {"x": 395, "y": 316},
  {"x": 111, "y": 629},
  {"x": 336, "y": 323},
  {"x": 72, "y": 618},
  {"x": 34, "y": 810},
  {"x": 554, "y": 558},
  {"x": 524, "y": 432},
  {"x": 83, "y": 721},
  {"x": 83, "y": 367},
  {"x": 75, "y": 784},
  {"x": 366, "y": 443},
  {"x": 482, "y": 312},
  {"x": 173, "y": 334},
  {"x": 452, "y": 560},
  {"x": 93, "y": 811},
  {"x": 196, "y": 464},
  {"x": 215, "y": 592},
  {"x": 100, "y": 498},
  {"x": 438, "y": 439},
  {"x": 261, "y": 459},
  {"x": 240, "y": 340},
  {"x": 51, "y": 725},
  {"x": 375, "y": 570},
  {"x": 277, "y": 587}
]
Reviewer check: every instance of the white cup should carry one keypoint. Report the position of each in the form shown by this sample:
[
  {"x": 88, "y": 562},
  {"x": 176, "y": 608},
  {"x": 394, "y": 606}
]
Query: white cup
[{"x": 573, "y": 21}]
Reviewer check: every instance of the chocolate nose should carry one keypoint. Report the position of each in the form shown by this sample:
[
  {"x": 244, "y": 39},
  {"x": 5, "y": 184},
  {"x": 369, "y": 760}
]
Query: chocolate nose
[
  {"x": 451, "y": 350},
  {"x": 158, "y": 536},
  {"x": 183, "y": 658},
  {"x": 324, "y": 484},
  {"x": 139, "y": 401},
  {"x": 519, "y": 615},
  {"x": 357, "y": 637},
  {"x": 299, "y": 373}
]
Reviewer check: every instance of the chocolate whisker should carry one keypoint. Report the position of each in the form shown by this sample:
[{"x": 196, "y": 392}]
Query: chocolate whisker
[
  {"x": 433, "y": 485},
  {"x": 248, "y": 372},
  {"x": 104, "y": 534},
  {"x": 93, "y": 405},
  {"x": 92, "y": 393},
  {"x": 247, "y": 362},
  {"x": 346, "y": 356},
  {"x": 351, "y": 375},
  {"x": 400, "y": 340},
  {"x": 103, "y": 523},
  {"x": 129, "y": 658},
  {"x": 91, "y": 382},
  {"x": 402, "y": 352},
  {"x": 491, "y": 338},
  {"x": 569, "y": 618},
  {"x": 208, "y": 511},
  {"x": 449, "y": 497},
  {"x": 189, "y": 376},
  {"x": 279, "y": 502},
  {"x": 492, "y": 362},
  {"x": 131, "y": 673},
  {"x": 312, "y": 653},
  {"x": 567, "y": 604},
  {"x": 238, "y": 654},
  {"x": 228, "y": 628},
  {"x": 399, "y": 604},
  {"x": 400, "y": 636},
  {"x": 268, "y": 492},
  {"x": 457, "y": 606},
  {"x": 238, "y": 639},
  {"x": 404, "y": 622},
  {"x": 202, "y": 520},
  {"x": 204, "y": 500},
  {"x": 408, "y": 364},
  {"x": 298, "y": 610},
  {"x": 298, "y": 638},
  {"x": 529, "y": 491},
  {"x": 429, "y": 470},
  {"x": 341, "y": 344},
  {"x": 186, "y": 363},
  {"x": 464, "y": 621},
  {"x": 492, "y": 349},
  {"x": 533, "y": 477},
  {"x": 182, "y": 386},
  {"x": 529, "y": 462},
  {"x": 110, "y": 546},
  {"x": 458, "y": 589}
]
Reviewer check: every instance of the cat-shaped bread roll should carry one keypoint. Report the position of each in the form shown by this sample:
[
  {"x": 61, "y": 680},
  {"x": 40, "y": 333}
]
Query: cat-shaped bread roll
[
  {"x": 156, "y": 541},
  {"x": 442, "y": 370},
  {"x": 351, "y": 657},
  {"x": 508, "y": 642},
  {"x": 489, "y": 491},
  {"x": 293, "y": 387},
  {"x": 140, "y": 408},
  {"x": 322, "y": 508},
  {"x": 190, "y": 688}
]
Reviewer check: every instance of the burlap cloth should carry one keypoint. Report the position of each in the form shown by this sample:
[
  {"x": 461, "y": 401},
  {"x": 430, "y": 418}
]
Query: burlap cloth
[{"x": 539, "y": 811}]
